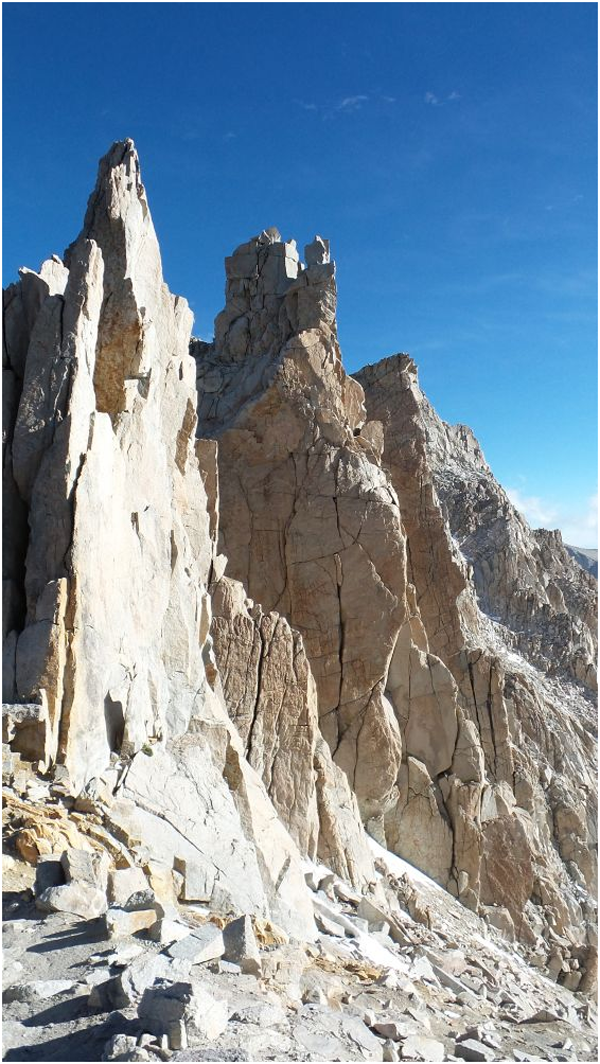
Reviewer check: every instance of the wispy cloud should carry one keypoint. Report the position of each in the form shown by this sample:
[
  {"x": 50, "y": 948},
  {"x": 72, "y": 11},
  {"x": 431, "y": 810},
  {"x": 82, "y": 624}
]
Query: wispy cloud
[
  {"x": 434, "y": 100},
  {"x": 578, "y": 524},
  {"x": 345, "y": 105},
  {"x": 537, "y": 511},
  {"x": 351, "y": 103}
]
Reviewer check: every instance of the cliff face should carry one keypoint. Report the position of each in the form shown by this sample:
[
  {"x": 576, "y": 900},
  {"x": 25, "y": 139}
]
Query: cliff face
[
  {"x": 280, "y": 609},
  {"x": 528, "y": 734}
]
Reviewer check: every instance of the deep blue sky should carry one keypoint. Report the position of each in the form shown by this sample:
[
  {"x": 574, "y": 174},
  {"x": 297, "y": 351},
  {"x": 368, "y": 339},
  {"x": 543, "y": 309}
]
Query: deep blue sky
[{"x": 447, "y": 150}]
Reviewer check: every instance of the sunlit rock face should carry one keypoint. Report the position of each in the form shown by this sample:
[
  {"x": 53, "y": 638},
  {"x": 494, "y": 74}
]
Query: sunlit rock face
[
  {"x": 110, "y": 610},
  {"x": 292, "y": 606},
  {"x": 332, "y": 514}
]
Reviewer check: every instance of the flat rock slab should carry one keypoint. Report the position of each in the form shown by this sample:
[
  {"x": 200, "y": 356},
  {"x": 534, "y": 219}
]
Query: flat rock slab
[
  {"x": 212, "y": 1054},
  {"x": 472, "y": 1050},
  {"x": 418, "y": 1047},
  {"x": 329, "y": 1035},
  {"x": 36, "y": 990},
  {"x": 204, "y": 944}
]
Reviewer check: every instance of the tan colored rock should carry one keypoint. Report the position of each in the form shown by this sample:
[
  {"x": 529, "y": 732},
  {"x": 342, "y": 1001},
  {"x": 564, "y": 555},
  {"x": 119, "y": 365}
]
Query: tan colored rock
[
  {"x": 503, "y": 787},
  {"x": 415, "y": 827},
  {"x": 118, "y": 611},
  {"x": 269, "y": 690},
  {"x": 308, "y": 522},
  {"x": 271, "y": 697}
]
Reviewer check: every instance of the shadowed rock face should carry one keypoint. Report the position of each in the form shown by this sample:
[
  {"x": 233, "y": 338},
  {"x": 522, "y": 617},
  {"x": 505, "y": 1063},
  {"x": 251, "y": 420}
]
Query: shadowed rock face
[
  {"x": 509, "y": 765},
  {"x": 290, "y": 603}
]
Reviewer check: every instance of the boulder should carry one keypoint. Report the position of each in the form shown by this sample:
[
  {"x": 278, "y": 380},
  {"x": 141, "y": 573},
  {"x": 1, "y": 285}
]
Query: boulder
[
  {"x": 164, "y": 1007},
  {"x": 240, "y": 945},
  {"x": 80, "y": 898}
]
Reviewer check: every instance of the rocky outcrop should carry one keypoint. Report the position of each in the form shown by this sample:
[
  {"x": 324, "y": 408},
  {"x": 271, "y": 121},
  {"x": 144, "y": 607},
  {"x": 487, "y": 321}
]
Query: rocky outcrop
[
  {"x": 255, "y": 606},
  {"x": 308, "y": 521},
  {"x": 587, "y": 559},
  {"x": 497, "y": 814},
  {"x": 120, "y": 553},
  {"x": 525, "y": 580},
  {"x": 271, "y": 697}
]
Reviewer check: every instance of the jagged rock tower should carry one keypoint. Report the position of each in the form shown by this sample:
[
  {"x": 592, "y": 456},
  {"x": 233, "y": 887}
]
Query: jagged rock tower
[{"x": 302, "y": 593}]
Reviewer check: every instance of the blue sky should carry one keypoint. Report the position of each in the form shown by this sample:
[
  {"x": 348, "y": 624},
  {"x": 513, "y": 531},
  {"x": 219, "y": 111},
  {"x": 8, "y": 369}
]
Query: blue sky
[{"x": 447, "y": 150}]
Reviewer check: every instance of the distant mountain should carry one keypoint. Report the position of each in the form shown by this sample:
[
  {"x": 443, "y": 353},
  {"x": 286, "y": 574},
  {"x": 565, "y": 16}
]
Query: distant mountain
[{"x": 588, "y": 559}]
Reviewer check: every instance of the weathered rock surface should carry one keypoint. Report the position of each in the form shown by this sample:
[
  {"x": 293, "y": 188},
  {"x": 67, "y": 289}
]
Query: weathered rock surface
[
  {"x": 307, "y": 610},
  {"x": 440, "y": 734},
  {"x": 117, "y": 610},
  {"x": 271, "y": 697},
  {"x": 308, "y": 522},
  {"x": 497, "y": 810}
]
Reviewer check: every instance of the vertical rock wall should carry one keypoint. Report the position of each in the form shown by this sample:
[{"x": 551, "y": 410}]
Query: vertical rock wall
[{"x": 120, "y": 550}]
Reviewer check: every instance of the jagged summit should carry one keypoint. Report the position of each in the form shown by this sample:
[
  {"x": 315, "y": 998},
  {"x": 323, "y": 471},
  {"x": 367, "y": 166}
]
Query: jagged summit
[{"x": 260, "y": 615}]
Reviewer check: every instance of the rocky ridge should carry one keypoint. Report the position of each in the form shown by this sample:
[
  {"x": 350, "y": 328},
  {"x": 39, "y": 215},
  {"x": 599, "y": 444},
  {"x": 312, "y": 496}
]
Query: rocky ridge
[{"x": 321, "y": 620}]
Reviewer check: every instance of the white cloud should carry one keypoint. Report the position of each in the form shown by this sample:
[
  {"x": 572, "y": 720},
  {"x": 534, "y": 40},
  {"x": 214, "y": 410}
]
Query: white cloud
[
  {"x": 431, "y": 98},
  {"x": 351, "y": 103},
  {"x": 579, "y": 525},
  {"x": 581, "y": 530},
  {"x": 537, "y": 511}
]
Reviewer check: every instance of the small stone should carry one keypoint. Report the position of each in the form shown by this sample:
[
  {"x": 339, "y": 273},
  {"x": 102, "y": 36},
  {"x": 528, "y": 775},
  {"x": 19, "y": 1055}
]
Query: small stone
[
  {"x": 314, "y": 995},
  {"x": 448, "y": 980},
  {"x": 165, "y": 1004},
  {"x": 390, "y": 1051},
  {"x": 362, "y": 925},
  {"x": 418, "y": 1047},
  {"x": 326, "y": 884},
  {"x": 120, "y": 923},
  {"x": 80, "y": 866},
  {"x": 124, "y": 953},
  {"x": 312, "y": 881},
  {"x": 97, "y": 977},
  {"x": 379, "y": 927},
  {"x": 542, "y": 1016},
  {"x": 81, "y": 899},
  {"x": 167, "y": 931},
  {"x": 345, "y": 893},
  {"x": 240, "y": 945},
  {"x": 123, "y": 882},
  {"x": 392, "y": 1030},
  {"x": 329, "y": 927},
  {"x": 127, "y": 988},
  {"x": 119, "y": 1047},
  {"x": 422, "y": 969},
  {"x": 264, "y": 1014}
]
